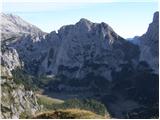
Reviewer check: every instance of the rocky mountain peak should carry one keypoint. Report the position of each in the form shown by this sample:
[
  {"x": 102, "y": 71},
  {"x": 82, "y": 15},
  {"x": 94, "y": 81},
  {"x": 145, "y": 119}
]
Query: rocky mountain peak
[
  {"x": 13, "y": 24},
  {"x": 84, "y": 22},
  {"x": 75, "y": 48},
  {"x": 149, "y": 44},
  {"x": 156, "y": 17},
  {"x": 10, "y": 17},
  {"x": 84, "y": 25},
  {"x": 152, "y": 34}
]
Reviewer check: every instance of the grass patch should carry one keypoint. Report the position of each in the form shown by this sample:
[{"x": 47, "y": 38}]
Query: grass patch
[
  {"x": 68, "y": 114},
  {"x": 47, "y": 101}
]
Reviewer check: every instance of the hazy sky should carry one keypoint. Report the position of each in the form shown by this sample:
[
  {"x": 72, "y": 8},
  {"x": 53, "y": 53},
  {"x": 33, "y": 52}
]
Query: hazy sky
[{"x": 128, "y": 19}]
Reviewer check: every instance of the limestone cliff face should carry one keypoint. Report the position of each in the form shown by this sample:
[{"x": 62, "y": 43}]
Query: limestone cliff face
[
  {"x": 80, "y": 49},
  {"x": 149, "y": 44},
  {"x": 76, "y": 49},
  {"x": 10, "y": 60},
  {"x": 16, "y": 102}
]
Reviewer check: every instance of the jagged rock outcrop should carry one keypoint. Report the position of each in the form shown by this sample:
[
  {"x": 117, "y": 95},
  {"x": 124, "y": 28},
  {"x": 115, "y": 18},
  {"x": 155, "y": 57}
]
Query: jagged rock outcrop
[
  {"x": 149, "y": 44},
  {"x": 16, "y": 101},
  {"x": 13, "y": 29},
  {"x": 76, "y": 49},
  {"x": 10, "y": 60}
]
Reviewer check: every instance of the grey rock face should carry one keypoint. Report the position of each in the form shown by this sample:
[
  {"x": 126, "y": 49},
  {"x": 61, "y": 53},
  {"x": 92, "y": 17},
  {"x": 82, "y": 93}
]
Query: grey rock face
[
  {"x": 149, "y": 44},
  {"x": 75, "y": 49},
  {"x": 13, "y": 29},
  {"x": 16, "y": 102},
  {"x": 10, "y": 60},
  {"x": 11, "y": 24}
]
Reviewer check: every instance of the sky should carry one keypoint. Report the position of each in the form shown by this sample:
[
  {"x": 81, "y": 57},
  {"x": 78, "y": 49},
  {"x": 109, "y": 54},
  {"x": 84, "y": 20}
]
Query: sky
[{"x": 127, "y": 18}]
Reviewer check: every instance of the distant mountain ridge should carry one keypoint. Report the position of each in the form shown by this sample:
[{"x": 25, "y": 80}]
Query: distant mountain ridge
[
  {"x": 14, "y": 26},
  {"x": 75, "y": 49}
]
